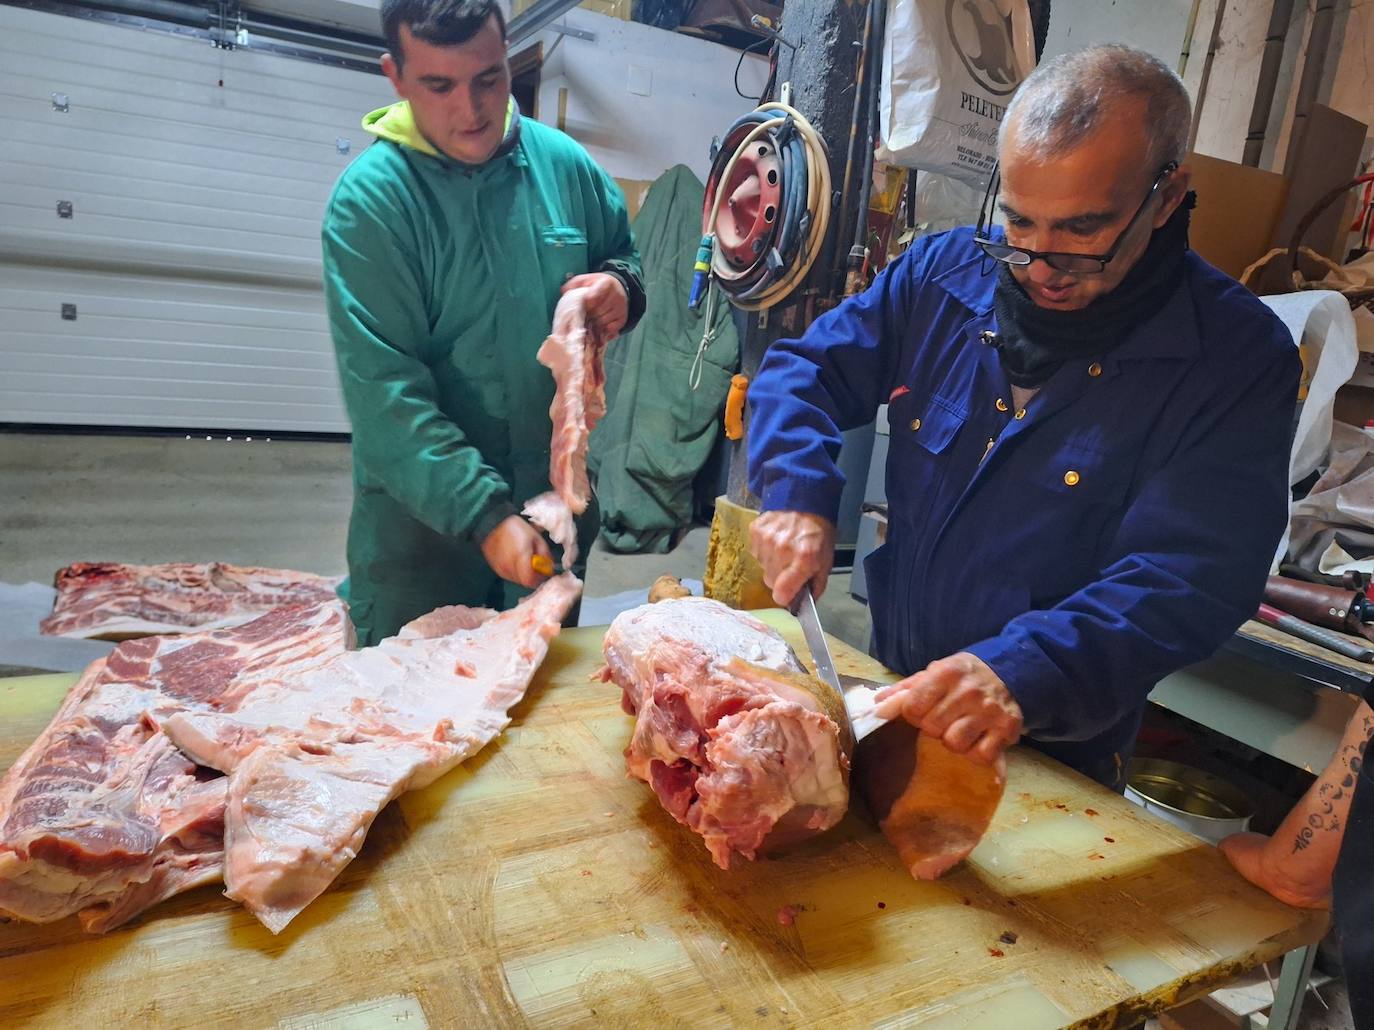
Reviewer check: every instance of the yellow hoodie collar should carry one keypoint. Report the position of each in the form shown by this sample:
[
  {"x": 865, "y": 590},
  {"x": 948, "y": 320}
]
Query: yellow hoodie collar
[{"x": 396, "y": 123}]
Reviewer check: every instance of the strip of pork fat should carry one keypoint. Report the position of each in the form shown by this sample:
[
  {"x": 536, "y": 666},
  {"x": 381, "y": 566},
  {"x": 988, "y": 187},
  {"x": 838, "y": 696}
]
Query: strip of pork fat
[{"x": 573, "y": 352}]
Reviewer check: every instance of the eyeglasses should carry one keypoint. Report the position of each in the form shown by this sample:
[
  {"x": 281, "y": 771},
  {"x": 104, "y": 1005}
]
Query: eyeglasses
[{"x": 1060, "y": 261}]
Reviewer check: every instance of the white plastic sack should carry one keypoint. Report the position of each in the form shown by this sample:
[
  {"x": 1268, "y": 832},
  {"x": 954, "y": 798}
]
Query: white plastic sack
[
  {"x": 1321, "y": 324},
  {"x": 949, "y": 70},
  {"x": 943, "y": 203}
]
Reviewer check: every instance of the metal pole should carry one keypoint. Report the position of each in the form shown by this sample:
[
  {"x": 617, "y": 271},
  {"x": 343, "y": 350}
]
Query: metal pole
[
  {"x": 1212, "y": 47},
  {"x": 1313, "y": 68},
  {"x": 821, "y": 71},
  {"x": 1280, "y": 15}
]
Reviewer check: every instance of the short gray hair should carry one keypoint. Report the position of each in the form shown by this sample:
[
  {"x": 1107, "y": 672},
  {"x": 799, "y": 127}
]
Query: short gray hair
[{"x": 1064, "y": 100}]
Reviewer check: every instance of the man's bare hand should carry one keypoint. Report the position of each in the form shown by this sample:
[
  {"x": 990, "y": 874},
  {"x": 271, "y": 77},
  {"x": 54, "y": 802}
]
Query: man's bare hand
[
  {"x": 961, "y": 701},
  {"x": 794, "y": 548},
  {"x": 510, "y": 548},
  {"x": 608, "y": 305}
]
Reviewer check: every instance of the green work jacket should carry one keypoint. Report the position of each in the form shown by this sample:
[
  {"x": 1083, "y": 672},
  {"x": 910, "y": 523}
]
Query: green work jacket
[{"x": 440, "y": 281}]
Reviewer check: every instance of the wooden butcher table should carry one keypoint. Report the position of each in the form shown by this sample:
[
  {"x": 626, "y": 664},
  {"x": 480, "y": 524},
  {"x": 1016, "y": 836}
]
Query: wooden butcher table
[{"x": 537, "y": 885}]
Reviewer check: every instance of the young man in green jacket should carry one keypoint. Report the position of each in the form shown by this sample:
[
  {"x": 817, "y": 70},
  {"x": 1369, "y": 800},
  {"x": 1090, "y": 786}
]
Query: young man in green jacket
[{"x": 447, "y": 244}]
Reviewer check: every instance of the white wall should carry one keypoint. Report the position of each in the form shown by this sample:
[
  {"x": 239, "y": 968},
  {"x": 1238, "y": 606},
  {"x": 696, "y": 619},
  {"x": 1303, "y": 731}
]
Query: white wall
[
  {"x": 1161, "y": 28},
  {"x": 642, "y": 99},
  {"x": 1157, "y": 27}
]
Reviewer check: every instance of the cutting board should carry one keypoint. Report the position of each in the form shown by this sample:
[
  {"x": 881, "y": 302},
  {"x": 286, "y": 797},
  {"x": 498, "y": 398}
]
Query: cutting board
[{"x": 537, "y": 885}]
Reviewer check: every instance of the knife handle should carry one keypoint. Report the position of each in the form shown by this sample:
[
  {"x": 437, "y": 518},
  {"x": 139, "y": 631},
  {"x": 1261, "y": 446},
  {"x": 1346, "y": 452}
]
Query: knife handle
[{"x": 1271, "y": 616}]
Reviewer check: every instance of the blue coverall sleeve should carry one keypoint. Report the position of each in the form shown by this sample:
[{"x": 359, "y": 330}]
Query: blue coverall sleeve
[
  {"x": 1187, "y": 566},
  {"x": 808, "y": 391}
]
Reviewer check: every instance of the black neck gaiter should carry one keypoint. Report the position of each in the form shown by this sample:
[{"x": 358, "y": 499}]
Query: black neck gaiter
[{"x": 1032, "y": 342}]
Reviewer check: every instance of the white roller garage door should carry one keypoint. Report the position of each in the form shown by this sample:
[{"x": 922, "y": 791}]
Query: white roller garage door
[{"x": 183, "y": 290}]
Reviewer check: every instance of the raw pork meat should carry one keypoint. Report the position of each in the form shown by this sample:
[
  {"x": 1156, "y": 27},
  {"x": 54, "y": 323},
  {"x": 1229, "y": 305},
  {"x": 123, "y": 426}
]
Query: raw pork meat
[
  {"x": 573, "y": 352},
  {"x": 114, "y": 602},
  {"x": 104, "y": 816},
  {"x": 933, "y": 805},
  {"x": 736, "y": 740},
  {"x": 313, "y": 758}
]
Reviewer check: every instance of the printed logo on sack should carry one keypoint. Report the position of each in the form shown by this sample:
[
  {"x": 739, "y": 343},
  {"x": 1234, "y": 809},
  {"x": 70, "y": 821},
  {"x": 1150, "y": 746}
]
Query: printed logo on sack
[{"x": 982, "y": 37}]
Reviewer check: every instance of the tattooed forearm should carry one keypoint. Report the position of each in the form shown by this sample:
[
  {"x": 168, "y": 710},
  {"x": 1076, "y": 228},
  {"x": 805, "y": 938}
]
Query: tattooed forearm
[{"x": 1324, "y": 811}]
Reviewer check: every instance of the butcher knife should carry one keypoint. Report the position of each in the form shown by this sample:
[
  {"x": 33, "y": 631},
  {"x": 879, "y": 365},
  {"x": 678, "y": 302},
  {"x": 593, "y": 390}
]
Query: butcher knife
[{"x": 858, "y": 694}]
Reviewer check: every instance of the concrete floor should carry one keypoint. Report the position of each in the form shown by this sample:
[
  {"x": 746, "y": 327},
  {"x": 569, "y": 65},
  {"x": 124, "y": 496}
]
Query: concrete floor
[{"x": 250, "y": 501}]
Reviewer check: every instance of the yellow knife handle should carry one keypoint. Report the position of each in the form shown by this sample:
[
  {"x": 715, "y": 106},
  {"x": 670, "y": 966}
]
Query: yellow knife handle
[{"x": 542, "y": 564}]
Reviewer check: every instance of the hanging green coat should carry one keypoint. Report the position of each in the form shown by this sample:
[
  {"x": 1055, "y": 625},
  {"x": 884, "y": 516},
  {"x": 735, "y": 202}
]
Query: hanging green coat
[
  {"x": 658, "y": 431},
  {"x": 441, "y": 280}
]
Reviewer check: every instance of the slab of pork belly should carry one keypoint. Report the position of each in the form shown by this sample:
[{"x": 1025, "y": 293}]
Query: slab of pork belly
[
  {"x": 114, "y": 601},
  {"x": 101, "y": 815},
  {"x": 313, "y": 759}
]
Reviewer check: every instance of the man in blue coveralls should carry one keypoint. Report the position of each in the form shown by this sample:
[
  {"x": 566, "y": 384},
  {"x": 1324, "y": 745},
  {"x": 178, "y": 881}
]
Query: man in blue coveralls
[{"x": 1090, "y": 431}]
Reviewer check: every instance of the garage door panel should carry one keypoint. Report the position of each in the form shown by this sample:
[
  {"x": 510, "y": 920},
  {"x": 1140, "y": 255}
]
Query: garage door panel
[
  {"x": 155, "y": 90},
  {"x": 23, "y": 280},
  {"x": 269, "y": 355},
  {"x": 172, "y": 121},
  {"x": 104, "y": 186},
  {"x": 169, "y": 412},
  {"x": 40, "y": 371},
  {"x": 88, "y": 44},
  {"x": 193, "y": 257},
  {"x": 140, "y": 168},
  {"x": 166, "y": 142},
  {"x": 112, "y": 227},
  {"x": 183, "y": 317},
  {"x": 148, "y": 388},
  {"x": 228, "y": 213}
]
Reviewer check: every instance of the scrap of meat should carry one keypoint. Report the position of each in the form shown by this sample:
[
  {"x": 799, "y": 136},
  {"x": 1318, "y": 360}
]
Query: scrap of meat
[
  {"x": 102, "y": 815},
  {"x": 116, "y": 806},
  {"x": 739, "y": 744},
  {"x": 932, "y": 804},
  {"x": 573, "y": 352},
  {"x": 551, "y": 513},
  {"x": 107, "y": 600},
  {"x": 313, "y": 758},
  {"x": 665, "y": 587}
]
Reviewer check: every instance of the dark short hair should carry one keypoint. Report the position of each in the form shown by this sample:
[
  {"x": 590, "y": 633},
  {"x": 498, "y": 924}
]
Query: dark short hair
[{"x": 441, "y": 22}]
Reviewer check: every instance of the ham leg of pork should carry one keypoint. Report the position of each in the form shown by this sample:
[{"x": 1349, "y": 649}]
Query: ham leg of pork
[
  {"x": 739, "y": 744},
  {"x": 932, "y": 804}
]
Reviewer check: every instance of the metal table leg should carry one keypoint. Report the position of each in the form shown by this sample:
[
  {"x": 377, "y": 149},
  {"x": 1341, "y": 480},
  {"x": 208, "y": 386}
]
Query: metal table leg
[{"x": 1288, "y": 996}]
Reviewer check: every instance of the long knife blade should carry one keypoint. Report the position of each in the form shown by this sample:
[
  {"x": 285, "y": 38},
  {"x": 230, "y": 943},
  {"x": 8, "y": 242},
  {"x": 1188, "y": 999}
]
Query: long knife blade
[
  {"x": 810, "y": 620},
  {"x": 856, "y": 693}
]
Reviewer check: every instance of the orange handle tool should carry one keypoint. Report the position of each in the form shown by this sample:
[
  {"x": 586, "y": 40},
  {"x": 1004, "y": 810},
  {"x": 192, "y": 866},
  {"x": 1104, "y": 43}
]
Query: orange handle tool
[{"x": 734, "y": 408}]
